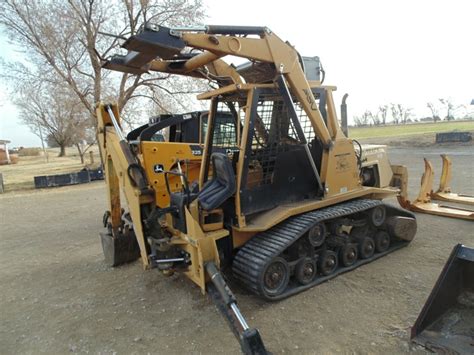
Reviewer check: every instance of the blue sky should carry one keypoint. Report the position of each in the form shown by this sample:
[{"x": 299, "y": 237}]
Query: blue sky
[{"x": 408, "y": 52}]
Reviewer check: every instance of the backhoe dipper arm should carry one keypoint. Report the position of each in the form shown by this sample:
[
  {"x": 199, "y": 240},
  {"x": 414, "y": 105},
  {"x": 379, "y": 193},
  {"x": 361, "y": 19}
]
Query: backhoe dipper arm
[{"x": 122, "y": 173}]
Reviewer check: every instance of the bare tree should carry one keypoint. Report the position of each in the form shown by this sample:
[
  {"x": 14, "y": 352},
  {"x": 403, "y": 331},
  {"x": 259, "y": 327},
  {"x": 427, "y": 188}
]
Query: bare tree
[
  {"x": 364, "y": 119},
  {"x": 450, "y": 108},
  {"x": 434, "y": 111},
  {"x": 64, "y": 38},
  {"x": 51, "y": 110},
  {"x": 359, "y": 121},
  {"x": 374, "y": 117},
  {"x": 400, "y": 113},
  {"x": 396, "y": 116},
  {"x": 383, "y": 112},
  {"x": 406, "y": 113}
]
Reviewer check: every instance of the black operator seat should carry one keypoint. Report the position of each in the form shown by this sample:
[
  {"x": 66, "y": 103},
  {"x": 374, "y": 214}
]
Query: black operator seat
[{"x": 221, "y": 186}]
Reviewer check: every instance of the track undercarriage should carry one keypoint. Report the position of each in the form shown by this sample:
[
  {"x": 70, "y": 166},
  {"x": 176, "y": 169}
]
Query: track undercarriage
[{"x": 314, "y": 247}]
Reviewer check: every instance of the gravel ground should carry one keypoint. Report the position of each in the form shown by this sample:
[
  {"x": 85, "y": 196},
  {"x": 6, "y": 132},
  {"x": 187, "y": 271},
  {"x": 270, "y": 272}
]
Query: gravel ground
[{"x": 57, "y": 296}]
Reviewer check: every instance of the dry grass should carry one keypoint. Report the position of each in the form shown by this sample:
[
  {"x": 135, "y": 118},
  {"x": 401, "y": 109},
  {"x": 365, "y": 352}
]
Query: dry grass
[
  {"x": 410, "y": 129},
  {"x": 29, "y": 152},
  {"x": 20, "y": 176}
]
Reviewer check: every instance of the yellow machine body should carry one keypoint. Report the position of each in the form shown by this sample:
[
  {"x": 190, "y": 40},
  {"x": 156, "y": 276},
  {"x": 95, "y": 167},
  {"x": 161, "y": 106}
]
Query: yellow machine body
[
  {"x": 338, "y": 173},
  {"x": 278, "y": 194}
]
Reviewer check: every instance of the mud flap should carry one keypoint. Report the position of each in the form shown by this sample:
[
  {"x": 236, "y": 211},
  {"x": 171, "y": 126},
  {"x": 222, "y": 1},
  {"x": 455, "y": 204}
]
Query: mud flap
[
  {"x": 446, "y": 322},
  {"x": 119, "y": 249}
]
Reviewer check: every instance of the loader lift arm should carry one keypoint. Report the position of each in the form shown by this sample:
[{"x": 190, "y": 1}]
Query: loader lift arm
[{"x": 215, "y": 43}]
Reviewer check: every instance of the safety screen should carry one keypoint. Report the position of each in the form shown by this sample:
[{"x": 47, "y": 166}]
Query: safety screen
[
  {"x": 274, "y": 133},
  {"x": 305, "y": 122},
  {"x": 277, "y": 168}
]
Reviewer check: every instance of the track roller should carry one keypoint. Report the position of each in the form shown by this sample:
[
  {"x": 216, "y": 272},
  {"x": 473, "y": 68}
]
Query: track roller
[
  {"x": 377, "y": 216},
  {"x": 382, "y": 241},
  {"x": 305, "y": 270},
  {"x": 366, "y": 247},
  {"x": 328, "y": 262},
  {"x": 348, "y": 254},
  {"x": 275, "y": 277},
  {"x": 317, "y": 235}
]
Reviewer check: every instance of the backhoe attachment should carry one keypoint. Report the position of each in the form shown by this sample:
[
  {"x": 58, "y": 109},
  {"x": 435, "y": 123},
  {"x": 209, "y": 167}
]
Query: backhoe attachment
[
  {"x": 445, "y": 324},
  {"x": 424, "y": 204},
  {"x": 444, "y": 192}
]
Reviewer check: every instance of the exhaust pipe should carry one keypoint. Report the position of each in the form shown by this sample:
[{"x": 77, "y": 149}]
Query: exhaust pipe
[{"x": 344, "y": 115}]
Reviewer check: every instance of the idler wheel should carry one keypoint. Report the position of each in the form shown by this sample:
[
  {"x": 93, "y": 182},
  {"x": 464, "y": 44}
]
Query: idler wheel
[
  {"x": 377, "y": 216},
  {"x": 348, "y": 254},
  {"x": 305, "y": 271},
  {"x": 317, "y": 235},
  {"x": 366, "y": 247},
  {"x": 382, "y": 241},
  {"x": 275, "y": 277},
  {"x": 328, "y": 262}
]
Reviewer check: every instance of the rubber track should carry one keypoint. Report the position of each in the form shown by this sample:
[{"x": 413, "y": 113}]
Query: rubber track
[{"x": 261, "y": 249}]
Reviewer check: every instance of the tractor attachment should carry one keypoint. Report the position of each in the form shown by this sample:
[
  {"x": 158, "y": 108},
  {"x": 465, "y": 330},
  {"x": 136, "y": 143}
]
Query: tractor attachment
[
  {"x": 423, "y": 201},
  {"x": 249, "y": 338},
  {"x": 446, "y": 322},
  {"x": 444, "y": 192},
  {"x": 120, "y": 245}
]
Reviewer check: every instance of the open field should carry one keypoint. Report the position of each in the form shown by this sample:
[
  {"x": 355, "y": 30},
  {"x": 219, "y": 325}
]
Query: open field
[
  {"x": 20, "y": 176},
  {"x": 409, "y": 129},
  {"x": 58, "y": 297}
]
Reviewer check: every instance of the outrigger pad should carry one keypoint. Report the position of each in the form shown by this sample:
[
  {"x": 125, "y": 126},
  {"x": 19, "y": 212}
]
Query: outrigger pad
[
  {"x": 252, "y": 343},
  {"x": 119, "y": 250},
  {"x": 446, "y": 322}
]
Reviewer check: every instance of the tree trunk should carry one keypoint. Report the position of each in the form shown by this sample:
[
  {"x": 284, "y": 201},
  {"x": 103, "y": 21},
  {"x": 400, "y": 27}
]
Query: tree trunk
[
  {"x": 81, "y": 153},
  {"x": 62, "y": 152}
]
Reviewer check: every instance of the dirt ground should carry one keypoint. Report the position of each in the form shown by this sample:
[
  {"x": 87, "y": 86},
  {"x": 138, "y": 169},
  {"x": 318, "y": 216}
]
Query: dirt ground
[{"x": 57, "y": 296}]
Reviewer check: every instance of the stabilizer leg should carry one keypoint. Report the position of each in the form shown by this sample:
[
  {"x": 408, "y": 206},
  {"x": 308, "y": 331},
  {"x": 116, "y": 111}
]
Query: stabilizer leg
[{"x": 249, "y": 338}]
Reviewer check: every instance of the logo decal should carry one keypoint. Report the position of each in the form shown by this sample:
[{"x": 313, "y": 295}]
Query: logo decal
[
  {"x": 310, "y": 99},
  {"x": 158, "y": 168},
  {"x": 196, "y": 150}
]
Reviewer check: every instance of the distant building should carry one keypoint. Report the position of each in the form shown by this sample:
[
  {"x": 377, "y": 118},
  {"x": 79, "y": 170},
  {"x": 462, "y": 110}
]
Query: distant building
[{"x": 4, "y": 155}]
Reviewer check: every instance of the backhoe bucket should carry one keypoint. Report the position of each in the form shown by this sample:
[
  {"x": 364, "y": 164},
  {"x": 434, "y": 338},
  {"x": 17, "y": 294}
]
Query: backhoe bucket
[
  {"x": 119, "y": 249},
  {"x": 446, "y": 322},
  {"x": 444, "y": 192},
  {"x": 424, "y": 204}
]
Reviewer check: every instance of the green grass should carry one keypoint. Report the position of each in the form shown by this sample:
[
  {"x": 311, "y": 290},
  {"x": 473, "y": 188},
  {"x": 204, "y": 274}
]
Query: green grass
[{"x": 409, "y": 129}]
